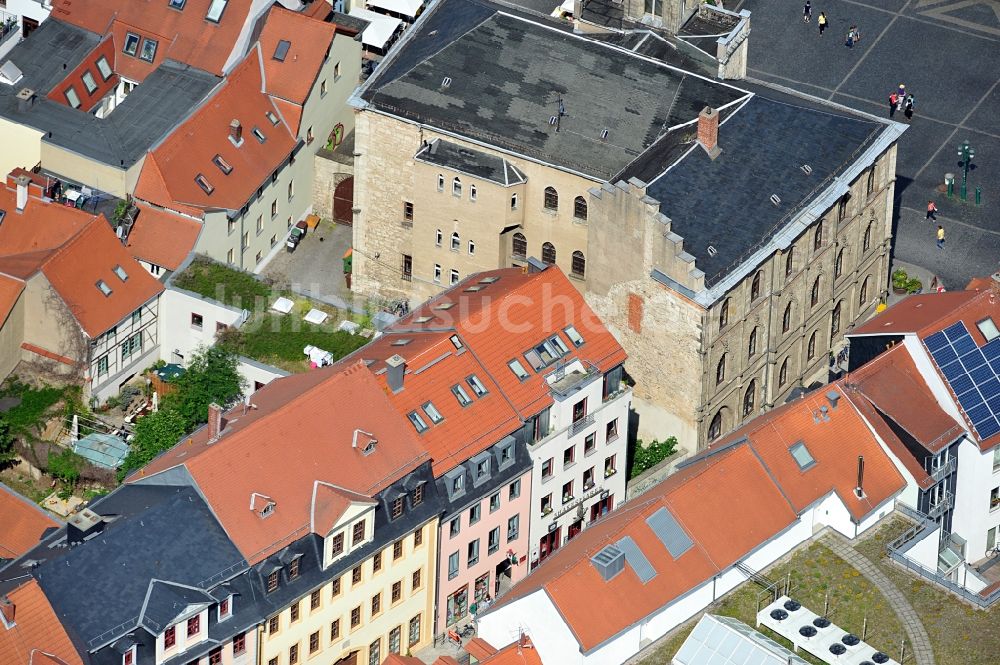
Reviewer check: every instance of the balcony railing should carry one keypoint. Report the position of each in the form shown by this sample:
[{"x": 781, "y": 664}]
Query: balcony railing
[
  {"x": 581, "y": 424},
  {"x": 943, "y": 470},
  {"x": 943, "y": 505}
]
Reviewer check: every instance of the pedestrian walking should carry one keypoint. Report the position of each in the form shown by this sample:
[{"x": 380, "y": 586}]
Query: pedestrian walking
[
  {"x": 908, "y": 108},
  {"x": 807, "y": 12},
  {"x": 931, "y": 210},
  {"x": 821, "y": 22},
  {"x": 893, "y": 103},
  {"x": 853, "y": 36},
  {"x": 940, "y": 237},
  {"x": 901, "y": 91}
]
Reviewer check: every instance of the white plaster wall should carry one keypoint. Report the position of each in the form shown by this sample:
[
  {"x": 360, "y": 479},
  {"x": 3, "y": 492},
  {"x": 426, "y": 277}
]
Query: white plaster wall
[
  {"x": 925, "y": 551},
  {"x": 176, "y": 331},
  {"x": 536, "y": 617},
  {"x": 254, "y": 372},
  {"x": 830, "y": 511},
  {"x": 972, "y": 516}
]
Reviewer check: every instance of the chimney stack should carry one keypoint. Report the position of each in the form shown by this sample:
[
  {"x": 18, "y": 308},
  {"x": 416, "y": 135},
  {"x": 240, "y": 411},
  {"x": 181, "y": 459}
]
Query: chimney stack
[
  {"x": 833, "y": 396},
  {"x": 395, "y": 368},
  {"x": 22, "y": 192},
  {"x": 25, "y": 99},
  {"x": 708, "y": 131},
  {"x": 235, "y": 131},
  {"x": 859, "y": 490},
  {"x": 214, "y": 421},
  {"x": 7, "y": 610}
]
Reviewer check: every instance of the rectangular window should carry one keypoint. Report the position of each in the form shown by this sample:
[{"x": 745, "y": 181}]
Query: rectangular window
[
  {"x": 104, "y": 68},
  {"x": 453, "y": 565},
  {"x": 131, "y": 44},
  {"x": 273, "y": 624},
  {"x": 314, "y": 643},
  {"x": 294, "y": 612},
  {"x": 397, "y": 550},
  {"x": 547, "y": 468},
  {"x": 358, "y": 534},
  {"x": 395, "y": 636},
  {"x": 102, "y": 367},
  {"x": 88, "y": 82},
  {"x": 335, "y": 629},
  {"x": 397, "y": 591},
  {"x": 224, "y": 609},
  {"x": 335, "y": 588},
  {"x": 473, "y": 553},
  {"x": 397, "y": 508},
  {"x": 291, "y": 189},
  {"x": 609, "y": 466},
  {"x": 240, "y": 644},
  {"x": 376, "y": 604},
  {"x": 274, "y": 209},
  {"x": 337, "y": 545},
  {"x": 567, "y": 492},
  {"x": 315, "y": 600},
  {"x": 455, "y": 526},
  {"x": 197, "y": 321},
  {"x": 414, "y": 631},
  {"x": 546, "y": 504},
  {"x": 356, "y": 617},
  {"x": 376, "y": 562},
  {"x": 513, "y": 526},
  {"x": 214, "y": 656},
  {"x": 437, "y": 273},
  {"x": 375, "y": 652},
  {"x": 336, "y": 71},
  {"x": 494, "y": 540},
  {"x": 170, "y": 637},
  {"x": 514, "y": 490},
  {"x": 148, "y": 50},
  {"x": 131, "y": 346},
  {"x": 415, "y": 580},
  {"x": 356, "y": 576},
  {"x": 495, "y": 502},
  {"x": 580, "y": 410},
  {"x": 194, "y": 626},
  {"x": 246, "y": 240},
  {"x": 72, "y": 98},
  {"x": 408, "y": 211},
  {"x": 569, "y": 456},
  {"x": 475, "y": 513},
  {"x": 293, "y": 654},
  {"x": 611, "y": 433},
  {"x": 590, "y": 443}
]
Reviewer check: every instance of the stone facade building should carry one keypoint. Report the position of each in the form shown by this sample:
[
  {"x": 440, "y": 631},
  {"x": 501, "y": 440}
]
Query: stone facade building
[{"x": 728, "y": 235}]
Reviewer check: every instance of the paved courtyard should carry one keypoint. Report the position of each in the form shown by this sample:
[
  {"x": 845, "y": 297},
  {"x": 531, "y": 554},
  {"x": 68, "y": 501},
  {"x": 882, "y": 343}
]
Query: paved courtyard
[{"x": 947, "y": 52}]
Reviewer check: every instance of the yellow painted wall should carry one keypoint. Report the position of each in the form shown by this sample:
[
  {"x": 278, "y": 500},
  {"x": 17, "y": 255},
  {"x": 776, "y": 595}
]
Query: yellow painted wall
[
  {"x": 11, "y": 336},
  {"x": 21, "y": 146},
  {"x": 82, "y": 169}
]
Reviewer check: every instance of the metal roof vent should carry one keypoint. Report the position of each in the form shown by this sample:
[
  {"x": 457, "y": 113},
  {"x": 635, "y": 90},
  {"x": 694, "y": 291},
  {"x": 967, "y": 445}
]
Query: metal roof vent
[
  {"x": 553, "y": 120},
  {"x": 775, "y": 200},
  {"x": 609, "y": 562},
  {"x": 446, "y": 82},
  {"x": 604, "y": 134},
  {"x": 712, "y": 251},
  {"x": 806, "y": 169}
]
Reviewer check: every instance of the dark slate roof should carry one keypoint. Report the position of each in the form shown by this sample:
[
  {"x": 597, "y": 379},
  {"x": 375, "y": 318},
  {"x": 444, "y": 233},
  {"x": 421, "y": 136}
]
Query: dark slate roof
[
  {"x": 472, "y": 162},
  {"x": 98, "y": 587},
  {"x": 726, "y": 204},
  {"x": 165, "y": 601},
  {"x": 348, "y": 21},
  {"x": 663, "y": 48},
  {"x": 508, "y": 75},
  {"x": 150, "y": 111}
]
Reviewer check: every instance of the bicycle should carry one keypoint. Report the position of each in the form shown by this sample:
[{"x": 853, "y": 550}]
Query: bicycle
[{"x": 995, "y": 552}]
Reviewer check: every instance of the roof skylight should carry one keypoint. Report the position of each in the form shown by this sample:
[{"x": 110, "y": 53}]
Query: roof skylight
[
  {"x": 103, "y": 287},
  {"x": 281, "y": 50},
  {"x": 223, "y": 165},
  {"x": 802, "y": 456},
  {"x": 259, "y": 134},
  {"x": 215, "y": 10},
  {"x": 989, "y": 329},
  {"x": 271, "y": 117},
  {"x": 203, "y": 182},
  {"x": 120, "y": 272}
]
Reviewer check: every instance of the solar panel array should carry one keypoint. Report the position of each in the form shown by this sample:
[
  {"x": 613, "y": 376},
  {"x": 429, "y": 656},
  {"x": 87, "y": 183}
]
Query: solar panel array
[{"x": 973, "y": 373}]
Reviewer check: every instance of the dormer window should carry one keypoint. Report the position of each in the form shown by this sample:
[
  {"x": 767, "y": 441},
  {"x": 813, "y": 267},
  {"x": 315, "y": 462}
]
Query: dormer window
[
  {"x": 194, "y": 625},
  {"x": 225, "y": 608},
  {"x": 131, "y": 44},
  {"x": 170, "y": 637},
  {"x": 418, "y": 494},
  {"x": 337, "y": 545},
  {"x": 148, "y": 50},
  {"x": 104, "y": 68},
  {"x": 128, "y": 658},
  {"x": 358, "y": 534},
  {"x": 397, "y": 508},
  {"x": 272, "y": 581},
  {"x": 293, "y": 569},
  {"x": 267, "y": 509},
  {"x": 457, "y": 484}
]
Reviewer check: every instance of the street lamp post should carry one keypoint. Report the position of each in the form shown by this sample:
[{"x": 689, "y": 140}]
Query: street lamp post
[{"x": 966, "y": 152}]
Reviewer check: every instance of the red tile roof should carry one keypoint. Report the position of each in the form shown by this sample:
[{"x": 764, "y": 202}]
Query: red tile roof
[
  {"x": 184, "y": 35},
  {"x": 88, "y": 100},
  {"x": 190, "y": 150},
  {"x": 74, "y": 250},
  {"x": 892, "y": 383},
  {"x": 309, "y": 40},
  {"x": 162, "y": 238},
  {"x": 502, "y": 319},
  {"x": 10, "y": 291},
  {"x": 23, "y": 523},
  {"x": 313, "y": 416},
  {"x": 37, "y": 631},
  {"x": 519, "y": 652},
  {"x": 76, "y": 268},
  {"x": 724, "y": 526}
]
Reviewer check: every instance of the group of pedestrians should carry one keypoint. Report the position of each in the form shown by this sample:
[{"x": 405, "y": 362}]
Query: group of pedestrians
[
  {"x": 822, "y": 22},
  {"x": 899, "y": 100}
]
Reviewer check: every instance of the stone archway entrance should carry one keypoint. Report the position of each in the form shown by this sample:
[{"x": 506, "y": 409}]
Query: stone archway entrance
[{"x": 343, "y": 201}]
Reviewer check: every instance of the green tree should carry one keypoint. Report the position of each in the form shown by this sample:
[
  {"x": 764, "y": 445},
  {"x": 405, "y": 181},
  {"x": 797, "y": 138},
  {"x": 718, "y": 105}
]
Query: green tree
[
  {"x": 211, "y": 376},
  {"x": 154, "y": 433},
  {"x": 7, "y": 452},
  {"x": 66, "y": 466}
]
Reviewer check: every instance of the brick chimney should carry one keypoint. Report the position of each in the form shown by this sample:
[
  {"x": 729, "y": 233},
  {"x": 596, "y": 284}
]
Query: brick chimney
[
  {"x": 214, "y": 421},
  {"x": 22, "y": 191},
  {"x": 708, "y": 131},
  {"x": 7, "y": 610},
  {"x": 235, "y": 131}
]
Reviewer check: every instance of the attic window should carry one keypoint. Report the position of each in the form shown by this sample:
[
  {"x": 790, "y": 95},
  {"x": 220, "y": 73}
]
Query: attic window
[
  {"x": 456, "y": 342},
  {"x": 203, "y": 182},
  {"x": 401, "y": 342},
  {"x": 422, "y": 319},
  {"x": 446, "y": 82},
  {"x": 802, "y": 456},
  {"x": 259, "y": 134},
  {"x": 573, "y": 335},
  {"x": 215, "y": 10},
  {"x": 604, "y": 135},
  {"x": 131, "y": 44},
  {"x": 223, "y": 165},
  {"x": 103, "y": 287},
  {"x": 445, "y": 305},
  {"x": 104, "y": 68},
  {"x": 474, "y": 288},
  {"x": 489, "y": 280},
  {"x": 281, "y": 50},
  {"x": 476, "y": 385},
  {"x": 176, "y": 4},
  {"x": 806, "y": 169},
  {"x": 120, "y": 272},
  {"x": 72, "y": 98},
  {"x": 271, "y": 117},
  {"x": 88, "y": 82},
  {"x": 988, "y": 328},
  {"x": 433, "y": 413},
  {"x": 417, "y": 421},
  {"x": 460, "y": 394},
  {"x": 148, "y": 50},
  {"x": 267, "y": 509}
]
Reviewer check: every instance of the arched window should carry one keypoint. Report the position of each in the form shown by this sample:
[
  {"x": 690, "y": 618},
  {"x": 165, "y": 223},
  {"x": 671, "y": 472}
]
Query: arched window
[
  {"x": 472, "y": 247},
  {"x": 755, "y": 286},
  {"x": 749, "y": 399},
  {"x": 818, "y": 238},
  {"x": 814, "y": 295},
  {"x": 871, "y": 182},
  {"x": 440, "y": 182},
  {"x": 472, "y": 192},
  {"x": 842, "y": 207},
  {"x": 838, "y": 265},
  {"x": 724, "y": 314},
  {"x": 720, "y": 370},
  {"x": 579, "y": 265},
  {"x": 551, "y": 199},
  {"x": 811, "y": 346},
  {"x": 715, "y": 428},
  {"x": 835, "y": 320},
  {"x": 867, "y": 244},
  {"x": 790, "y": 262},
  {"x": 548, "y": 253},
  {"x": 580, "y": 208},
  {"x": 519, "y": 245},
  {"x": 456, "y": 187},
  {"x": 783, "y": 373},
  {"x": 863, "y": 298},
  {"x": 752, "y": 344},
  {"x": 438, "y": 238},
  {"x": 786, "y": 318},
  {"x": 513, "y": 201},
  {"x": 456, "y": 242}
]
